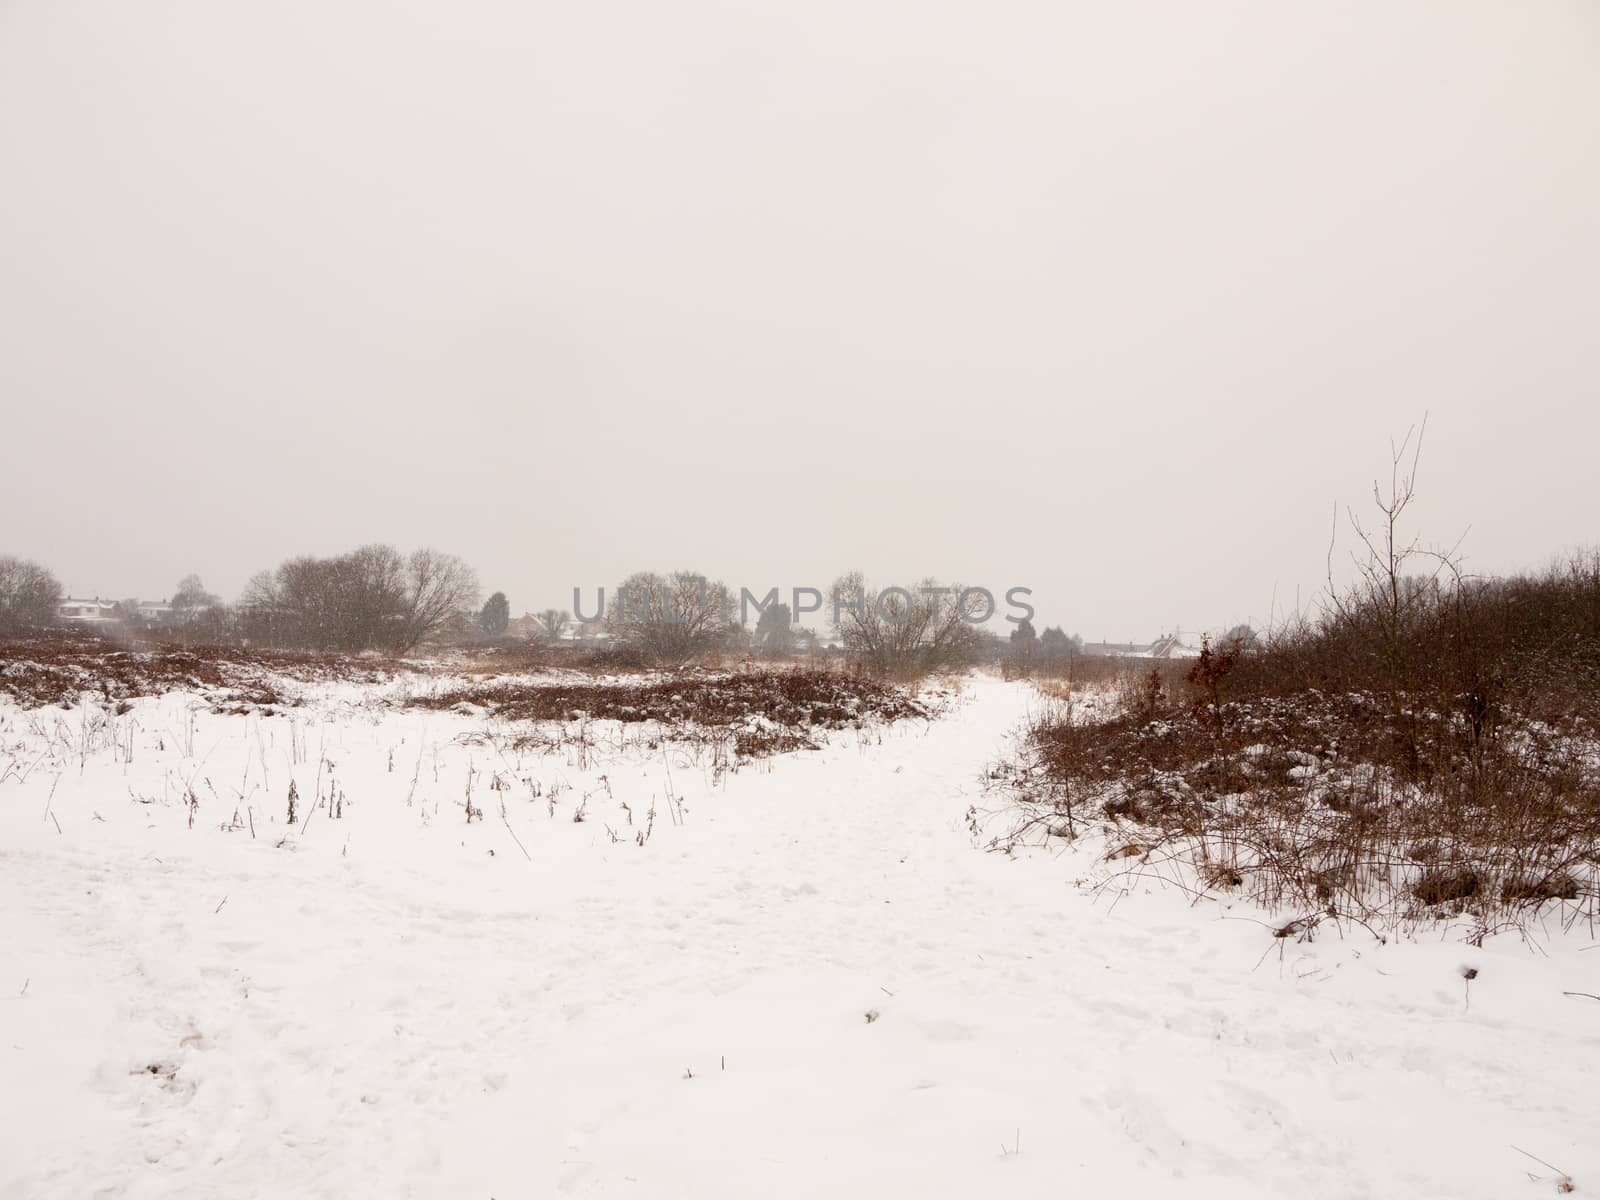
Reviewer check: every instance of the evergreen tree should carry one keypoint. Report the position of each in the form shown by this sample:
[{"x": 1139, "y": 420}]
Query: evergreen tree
[
  {"x": 773, "y": 634},
  {"x": 1055, "y": 644},
  {"x": 496, "y": 615}
]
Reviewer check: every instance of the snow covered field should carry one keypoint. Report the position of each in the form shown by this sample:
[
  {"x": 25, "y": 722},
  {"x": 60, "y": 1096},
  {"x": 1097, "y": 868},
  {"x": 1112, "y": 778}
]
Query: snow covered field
[{"x": 807, "y": 981}]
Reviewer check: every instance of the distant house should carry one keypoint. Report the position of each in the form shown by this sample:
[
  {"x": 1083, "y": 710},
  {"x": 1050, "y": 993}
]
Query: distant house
[
  {"x": 1172, "y": 646},
  {"x": 77, "y": 611},
  {"x": 525, "y": 626},
  {"x": 532, "y": 628},
  {"x": 1169, "y": 645},
  {"x": 155, "y": 611}
]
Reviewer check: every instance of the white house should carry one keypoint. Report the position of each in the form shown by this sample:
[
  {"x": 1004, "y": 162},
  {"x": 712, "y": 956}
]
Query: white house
[
  {"x": 1168, "y": 645},
  {"x": 79, "y": 611}
]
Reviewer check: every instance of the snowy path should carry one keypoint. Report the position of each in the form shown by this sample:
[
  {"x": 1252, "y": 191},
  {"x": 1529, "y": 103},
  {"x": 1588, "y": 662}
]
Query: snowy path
[{"x": 416, "y": 1017}]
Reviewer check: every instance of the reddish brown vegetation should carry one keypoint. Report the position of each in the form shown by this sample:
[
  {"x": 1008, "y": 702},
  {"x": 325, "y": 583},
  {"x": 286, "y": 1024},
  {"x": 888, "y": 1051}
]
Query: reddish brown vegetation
[
  {"x": 61, "y": 668},
  {"x": 1430, "y": 752},
  {"x": 768, "y": 711}
]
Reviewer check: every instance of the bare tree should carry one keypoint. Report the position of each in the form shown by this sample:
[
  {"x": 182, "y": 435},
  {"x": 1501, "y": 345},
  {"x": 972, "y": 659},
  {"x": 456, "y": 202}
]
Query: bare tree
[
  {"x": 437, "y": 586},
  {"x": 370, "y": 595},
  {"x": 29, "y": 594},
  {"x": 906, "y": 632},
  {"x": 260, "y": 592},
  {"x": 671, "y": 618},
  {"x": 352, "y": 602},
  {"x": 192, "y": 596},
  {"x": 1390, "y": 596},
  {"x": 555, "y": 622},
  {"x": 371, "y": 598}
]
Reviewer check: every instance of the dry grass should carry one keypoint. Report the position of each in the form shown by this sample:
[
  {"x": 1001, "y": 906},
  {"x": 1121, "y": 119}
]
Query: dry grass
[
  {"x": 1350, "y": 769},
  {"x": 59, "y": 668},
  {"x": 763, "y": 712}
]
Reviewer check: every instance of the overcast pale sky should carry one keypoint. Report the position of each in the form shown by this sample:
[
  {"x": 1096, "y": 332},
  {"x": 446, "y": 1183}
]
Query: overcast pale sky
[{"x": 1111, "y": 300}]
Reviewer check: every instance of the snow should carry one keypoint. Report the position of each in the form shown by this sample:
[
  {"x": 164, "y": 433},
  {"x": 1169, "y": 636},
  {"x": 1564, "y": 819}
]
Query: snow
[{"x": 398, "y": 1003}]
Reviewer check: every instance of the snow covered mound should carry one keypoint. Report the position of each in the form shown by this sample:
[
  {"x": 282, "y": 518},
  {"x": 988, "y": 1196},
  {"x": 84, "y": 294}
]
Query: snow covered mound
[{"x": 494, "y": 958}]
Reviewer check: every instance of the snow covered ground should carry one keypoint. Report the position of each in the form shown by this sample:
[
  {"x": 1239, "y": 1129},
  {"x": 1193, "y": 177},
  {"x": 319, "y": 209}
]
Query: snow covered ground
[{"x": 806, "y": 982}]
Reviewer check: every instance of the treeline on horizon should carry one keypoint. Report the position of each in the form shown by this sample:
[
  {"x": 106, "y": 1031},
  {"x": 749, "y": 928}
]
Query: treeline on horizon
[
  {"x": 373, "y": 598},
  {"x": 376, "y": 599},
  {"x": 1473, "y": 635}
]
